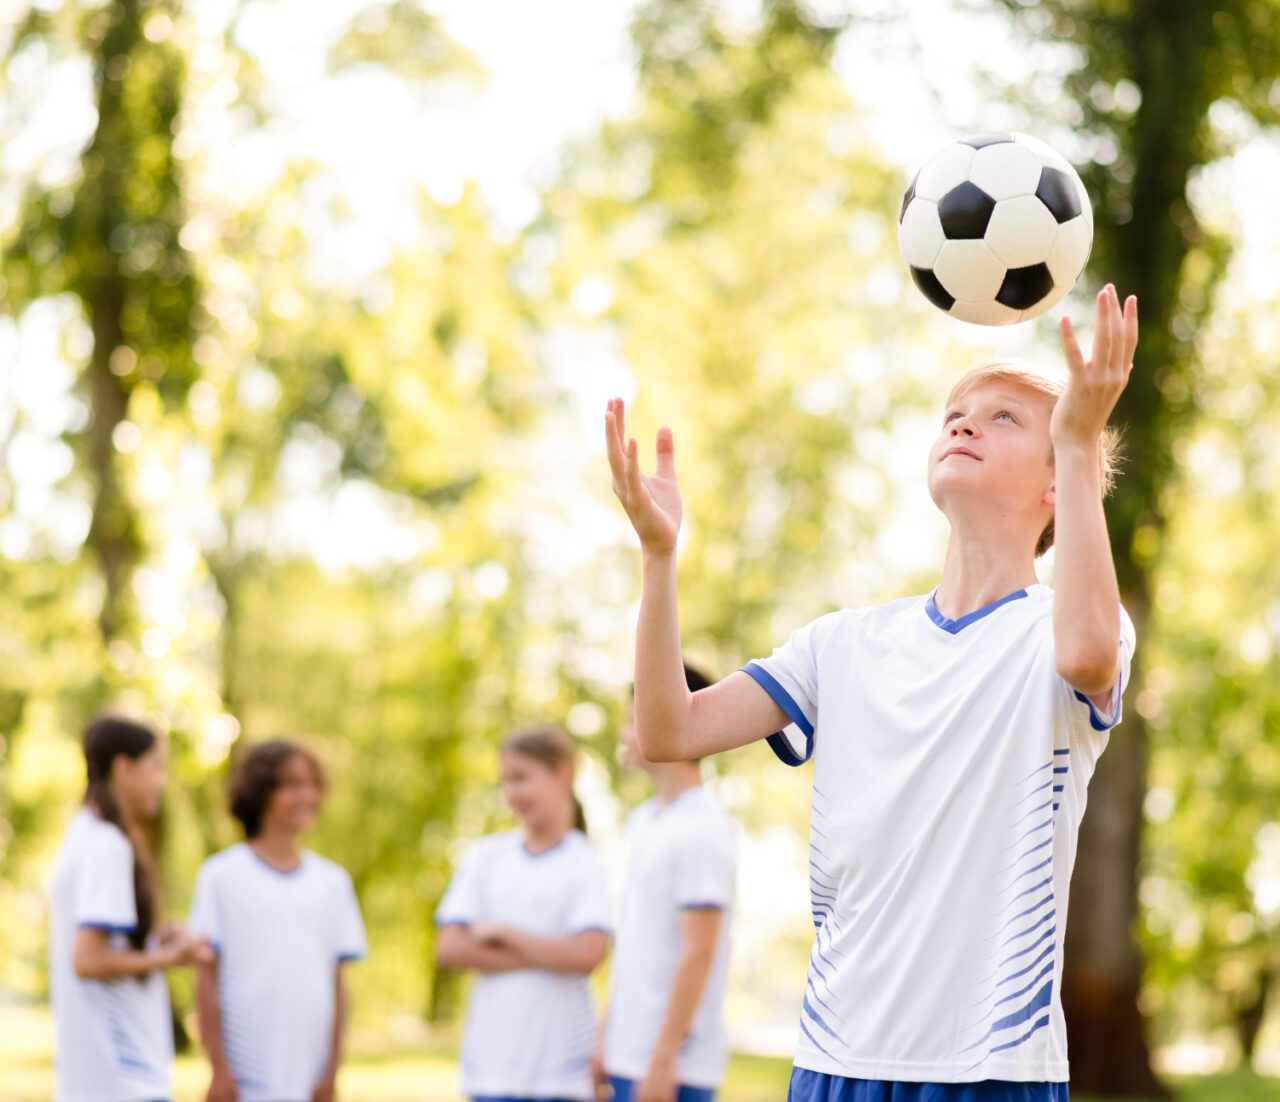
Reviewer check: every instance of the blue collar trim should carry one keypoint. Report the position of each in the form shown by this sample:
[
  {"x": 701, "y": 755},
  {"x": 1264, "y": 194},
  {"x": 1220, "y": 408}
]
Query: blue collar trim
[{"x": 954, "y": 627}]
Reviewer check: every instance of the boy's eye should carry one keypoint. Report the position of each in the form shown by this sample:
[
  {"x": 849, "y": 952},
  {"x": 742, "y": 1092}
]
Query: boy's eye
[
  {"x": 1005, "y": 413},
  {"x": 950, "y": 417}
]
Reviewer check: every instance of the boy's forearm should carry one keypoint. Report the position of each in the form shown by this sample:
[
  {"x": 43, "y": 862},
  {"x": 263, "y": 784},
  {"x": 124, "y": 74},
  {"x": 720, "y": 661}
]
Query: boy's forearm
[
  {"x": 470, "y": 953},
  {"x": 208, "y": 1017},
  {"x": 662, "y": 695},
  {"x": 1086, "y": 594},
  {"x": 686, "y": 993},
  {"x": 575, "y": 955},
  {"x": 339, "y": 1024}
]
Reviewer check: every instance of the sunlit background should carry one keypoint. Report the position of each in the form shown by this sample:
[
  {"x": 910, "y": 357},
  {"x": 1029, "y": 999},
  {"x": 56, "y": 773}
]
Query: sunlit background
[{"x": 383, "y": 263}]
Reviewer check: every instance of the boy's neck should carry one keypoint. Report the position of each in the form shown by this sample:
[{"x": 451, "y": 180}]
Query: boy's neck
[
  {"x": 278, "y": 849},
  {"x": 673, "y": 779},
  {"x": 983, "y": 564}
]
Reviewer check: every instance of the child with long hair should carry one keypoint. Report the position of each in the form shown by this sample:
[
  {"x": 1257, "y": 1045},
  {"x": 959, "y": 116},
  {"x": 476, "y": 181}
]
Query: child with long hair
[
  {"x": 107, "y": 951},
  {"x": 528, "y": 911},
  {"x": 282, "y": 921}
]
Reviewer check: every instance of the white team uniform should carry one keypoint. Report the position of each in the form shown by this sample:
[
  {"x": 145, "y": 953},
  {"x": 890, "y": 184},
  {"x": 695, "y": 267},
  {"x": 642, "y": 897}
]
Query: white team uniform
[
  {"x": 529, "y": 1033},
  {"x": 950, "y": 770},
  {"x": 114, "y": 1037},
  {"x": 280, "y": 936},
  {"x": 681, "y": 858}
]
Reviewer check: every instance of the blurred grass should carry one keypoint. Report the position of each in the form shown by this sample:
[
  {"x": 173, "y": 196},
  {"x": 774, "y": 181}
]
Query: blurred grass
[{"x": 428, "y": 1073}]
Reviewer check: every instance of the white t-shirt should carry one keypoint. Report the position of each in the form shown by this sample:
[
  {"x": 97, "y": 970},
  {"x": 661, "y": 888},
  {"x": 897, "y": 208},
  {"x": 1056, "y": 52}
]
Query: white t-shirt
[
  {"x": 280, "y": 936},
  {"x": 681, "y": 858},
  {"x": 114, "y": 1037},
  {"x": 950, "y": 772},
  {"x": 529, "y": 1033}
]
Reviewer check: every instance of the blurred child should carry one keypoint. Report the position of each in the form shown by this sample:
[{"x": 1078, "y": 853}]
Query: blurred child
[
  {"x": 106, "y": 952},
  {"x": 664, "y": 1040},
  {"x": 953, "y": 735},
  {"x": 282, "y": 921},
  {"x": 528, "y": 911}
]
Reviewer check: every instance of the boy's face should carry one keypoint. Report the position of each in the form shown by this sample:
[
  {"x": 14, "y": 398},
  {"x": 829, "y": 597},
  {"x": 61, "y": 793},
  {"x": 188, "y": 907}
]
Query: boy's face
[
  {"x": 993, "y": 448},
  {"x": 295, "y": 802}
]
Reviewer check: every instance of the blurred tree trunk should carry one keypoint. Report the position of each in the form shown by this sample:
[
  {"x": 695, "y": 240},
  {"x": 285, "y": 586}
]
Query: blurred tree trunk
[
  {"x": 1181, "y": 58},
  {"x": 111, "y": 239}
]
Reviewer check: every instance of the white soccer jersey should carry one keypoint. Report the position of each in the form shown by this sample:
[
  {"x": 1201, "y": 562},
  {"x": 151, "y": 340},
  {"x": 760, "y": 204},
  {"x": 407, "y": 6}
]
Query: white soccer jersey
[
  {"x": 279, "y": 937},
  {"x": 681, "y": 858},
  {"x": 950, "y": 769},
  {"x": 529, "y": 1033},
  {"x": 114, "y": 1037}
]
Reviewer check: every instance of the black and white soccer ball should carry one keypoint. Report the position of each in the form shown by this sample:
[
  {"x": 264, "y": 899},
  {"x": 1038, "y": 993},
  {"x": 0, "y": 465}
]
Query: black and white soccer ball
[{"x": 995, "y": 228}]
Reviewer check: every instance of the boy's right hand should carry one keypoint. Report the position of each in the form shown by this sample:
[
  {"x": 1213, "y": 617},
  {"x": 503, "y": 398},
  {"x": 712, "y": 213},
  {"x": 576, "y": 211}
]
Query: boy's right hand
[{"x": 652, "y": 501}]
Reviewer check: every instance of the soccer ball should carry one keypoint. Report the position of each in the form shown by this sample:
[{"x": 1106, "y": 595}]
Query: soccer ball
[{"x": 995, "y": 228}]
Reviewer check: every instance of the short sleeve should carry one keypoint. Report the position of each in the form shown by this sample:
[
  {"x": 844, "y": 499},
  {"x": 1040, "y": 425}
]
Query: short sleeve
[
  {"x": 461, "y": 903},
  {"x": 352, "y": 944},
  {"x": 1115, "y": 706},
  {"x": 790, "y": 677},
  {"x": 704, "y": 871},
  {"x": 205, "y": 918},
  {"x": 104, "y": 897},
  {"x": 589, "y": 909}
]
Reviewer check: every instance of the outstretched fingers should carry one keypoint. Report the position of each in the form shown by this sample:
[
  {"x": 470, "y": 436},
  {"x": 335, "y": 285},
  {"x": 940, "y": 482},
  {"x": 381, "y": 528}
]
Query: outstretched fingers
[
  {"x": 1071, "y": 346},
  {"x": 613, "y": 444},
  {"x": 1102, "y": 335},
  {"x": 1130, "y": 330},
  {"x": 666, "y": 454}
]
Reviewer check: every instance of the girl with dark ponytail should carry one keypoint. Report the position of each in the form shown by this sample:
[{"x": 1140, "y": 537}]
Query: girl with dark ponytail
[
  {"x": 106, "y": 949},
  {"x": 528, "y": 911}
]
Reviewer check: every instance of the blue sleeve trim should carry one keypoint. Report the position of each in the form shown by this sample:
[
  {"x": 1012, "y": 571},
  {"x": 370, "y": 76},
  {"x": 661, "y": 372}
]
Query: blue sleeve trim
[
  {"x": 704, "y": 906},
  {"x": 592, "y": 930},
  {"x": 442, "y": 921},
  {"x": 107, "y": 927},
  {"x": 1097, "y": 720},
  {"x": 347, "y": 958},
  {"x": 778, "y": 742}
]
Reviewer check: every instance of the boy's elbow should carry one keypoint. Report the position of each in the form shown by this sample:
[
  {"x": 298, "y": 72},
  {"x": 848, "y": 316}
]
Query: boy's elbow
[{"x": 1088, "y": 673}]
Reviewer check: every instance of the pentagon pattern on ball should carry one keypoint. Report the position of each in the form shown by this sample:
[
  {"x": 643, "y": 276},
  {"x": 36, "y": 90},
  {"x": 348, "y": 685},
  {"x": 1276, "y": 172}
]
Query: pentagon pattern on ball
[
  {"x": 1057, "y": 192},
  {"x": 965, "y": 211},
  {"x": 995, "y": 228},
  {"x": 929, "y": 286},
  {"x": 1023, "y": 288}
]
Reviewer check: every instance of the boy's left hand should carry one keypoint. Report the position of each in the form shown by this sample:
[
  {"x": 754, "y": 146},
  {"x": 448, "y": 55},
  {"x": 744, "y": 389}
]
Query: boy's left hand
[{"x": 1094, "y": 387}]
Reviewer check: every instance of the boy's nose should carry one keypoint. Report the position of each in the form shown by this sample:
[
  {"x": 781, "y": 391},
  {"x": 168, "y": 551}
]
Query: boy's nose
[{"x": 958, "y": 427}]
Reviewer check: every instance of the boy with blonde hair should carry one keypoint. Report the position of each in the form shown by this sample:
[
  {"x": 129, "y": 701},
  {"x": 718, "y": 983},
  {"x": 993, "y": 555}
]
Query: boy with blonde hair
[{"x": 953, "y": 735}]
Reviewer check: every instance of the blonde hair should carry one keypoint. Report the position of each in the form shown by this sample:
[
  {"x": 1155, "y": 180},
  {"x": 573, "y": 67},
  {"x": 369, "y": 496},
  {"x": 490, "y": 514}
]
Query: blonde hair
[{"x": 1028, "y": 375}]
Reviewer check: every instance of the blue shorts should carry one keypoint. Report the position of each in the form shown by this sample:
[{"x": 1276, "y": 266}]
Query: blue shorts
[
  {"x": 508, "y": 1098},
  {"x": 624, "y": 1090},
  {"x": 814, "y": 1086}
]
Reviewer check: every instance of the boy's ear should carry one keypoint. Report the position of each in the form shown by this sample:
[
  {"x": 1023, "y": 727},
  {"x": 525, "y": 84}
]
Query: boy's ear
[{"x": 1049, "y": 498}]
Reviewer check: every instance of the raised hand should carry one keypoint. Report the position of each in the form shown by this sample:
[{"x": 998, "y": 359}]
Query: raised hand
[
  {"x": 652, "y": 501},
  {"x": 1095, "y": 386}
]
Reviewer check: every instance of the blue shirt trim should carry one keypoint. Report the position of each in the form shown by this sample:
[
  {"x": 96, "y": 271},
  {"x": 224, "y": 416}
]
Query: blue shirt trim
[
  {"x": 954, "y": 627},
  {"x": 1097, "y": 720},
  {"x": 107, "y": 927},
  {"x": 778, "y": 741}
]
